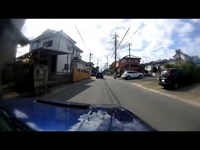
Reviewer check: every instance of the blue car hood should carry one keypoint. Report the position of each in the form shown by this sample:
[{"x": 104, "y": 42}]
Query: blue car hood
[{"x": 42, "y": 115}]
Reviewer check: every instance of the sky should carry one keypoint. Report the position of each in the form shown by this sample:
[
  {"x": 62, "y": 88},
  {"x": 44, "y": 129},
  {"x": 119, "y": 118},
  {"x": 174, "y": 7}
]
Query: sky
[{"x": 151, "y": 39}]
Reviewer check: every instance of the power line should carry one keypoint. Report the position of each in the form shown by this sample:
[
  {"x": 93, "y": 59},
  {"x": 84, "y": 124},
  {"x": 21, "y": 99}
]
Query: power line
[
  {"x": 124, "y": 36},
  {"x": 81, "y": 37},
  {"x": 121, "y": 40},
  {"x": 132, "y": 35}
]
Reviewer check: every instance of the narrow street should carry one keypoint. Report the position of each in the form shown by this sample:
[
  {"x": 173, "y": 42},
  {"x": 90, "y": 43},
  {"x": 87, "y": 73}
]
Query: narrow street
[{"x": 162, "y": 112}]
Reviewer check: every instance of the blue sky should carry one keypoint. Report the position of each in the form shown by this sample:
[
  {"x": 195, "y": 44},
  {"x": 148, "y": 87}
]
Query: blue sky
[{"x": 156, "y": 39}]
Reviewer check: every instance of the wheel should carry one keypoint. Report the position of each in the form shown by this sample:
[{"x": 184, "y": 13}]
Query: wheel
[
  {"x": 128, "y": 77},
  {"x": 176, "y": 85},
  {"x": 140, "y": 76}
]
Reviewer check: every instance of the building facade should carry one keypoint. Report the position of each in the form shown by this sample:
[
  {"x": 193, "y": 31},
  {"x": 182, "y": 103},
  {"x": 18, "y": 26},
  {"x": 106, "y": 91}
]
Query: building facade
[
  {"x": 129, "y": 64},
  {"x": 61, "y": 49}
]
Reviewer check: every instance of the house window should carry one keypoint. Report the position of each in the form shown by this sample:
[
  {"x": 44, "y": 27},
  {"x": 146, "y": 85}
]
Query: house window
[
  {"x": 48, "y": 44},
  {"x": 34, "y": 46},
  {"x": 135, "y": 60}
]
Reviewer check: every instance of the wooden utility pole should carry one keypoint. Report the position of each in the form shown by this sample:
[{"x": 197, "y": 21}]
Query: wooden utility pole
[
  {"x": 107, "y": 61},
  {"x": 129, "y": 62},
  {"x": 115, "y": 74},
  {"x": 89, "y": 63}
]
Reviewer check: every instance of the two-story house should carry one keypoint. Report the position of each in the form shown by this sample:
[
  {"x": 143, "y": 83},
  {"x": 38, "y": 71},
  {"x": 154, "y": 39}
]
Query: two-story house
[
  {"x": 129, "y": 63},
  {"x": 56, "y": 50}
]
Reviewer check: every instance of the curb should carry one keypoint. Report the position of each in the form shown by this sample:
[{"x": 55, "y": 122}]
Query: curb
[{"x": 169, "y": 95}]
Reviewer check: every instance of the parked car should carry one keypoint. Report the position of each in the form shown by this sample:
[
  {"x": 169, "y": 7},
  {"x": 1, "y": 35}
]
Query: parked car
[
  {"x": 174, "y": 78},
  {"x": 99, "y": 75},
  {"x": 43, "y": 115},
  {"x": 131, "y": 74}
]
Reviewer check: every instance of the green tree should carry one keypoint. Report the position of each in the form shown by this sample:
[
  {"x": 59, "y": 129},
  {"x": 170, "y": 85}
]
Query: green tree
[{"x": 169, "y": 65}]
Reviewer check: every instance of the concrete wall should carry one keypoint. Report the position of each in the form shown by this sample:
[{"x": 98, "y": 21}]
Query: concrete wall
[{"x": 79, "y": 75}]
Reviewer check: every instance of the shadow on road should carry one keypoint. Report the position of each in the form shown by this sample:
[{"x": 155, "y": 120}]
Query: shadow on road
[
  {"x": 185, "y": 88},
  {"x": 188, "y": 88},
  {"x": 69, "y": 91}
]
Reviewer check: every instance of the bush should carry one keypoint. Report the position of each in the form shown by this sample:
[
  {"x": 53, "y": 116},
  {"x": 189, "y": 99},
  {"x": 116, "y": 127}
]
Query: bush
[
  {"x": 169, "y": 66},
  {"x": 191, "y": 69}
]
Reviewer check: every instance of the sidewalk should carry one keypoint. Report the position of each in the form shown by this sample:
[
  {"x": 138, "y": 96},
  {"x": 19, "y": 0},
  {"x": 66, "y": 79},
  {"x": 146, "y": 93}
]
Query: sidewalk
[{"x": 51, "y": 90}]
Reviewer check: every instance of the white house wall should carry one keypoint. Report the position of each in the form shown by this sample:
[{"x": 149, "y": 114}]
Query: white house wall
[
  {"x": 63, "y": 45},
  {"x": 60, "y": 43},
  {"x": 40, "y": 42},
  {"x": 149, "y": 67},
  {"x": 61, "y": 61}
]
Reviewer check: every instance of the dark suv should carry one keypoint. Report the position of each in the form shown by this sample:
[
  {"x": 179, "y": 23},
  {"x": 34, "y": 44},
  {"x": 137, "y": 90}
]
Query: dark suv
[
  {"x": 99, "y": 75},
  {"x": 174, "y": 78}
]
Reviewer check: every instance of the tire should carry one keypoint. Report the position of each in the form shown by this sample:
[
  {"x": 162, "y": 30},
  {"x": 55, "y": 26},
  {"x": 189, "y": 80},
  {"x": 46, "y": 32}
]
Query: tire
[
  {"x": 140, "y": 76},
  {"x": 128, "y": 77}
]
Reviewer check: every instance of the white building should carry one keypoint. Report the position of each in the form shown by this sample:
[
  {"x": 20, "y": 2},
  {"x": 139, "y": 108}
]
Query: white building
[
  {"x": 61, "y": 49},
  {"x": 182, "y": 56}
]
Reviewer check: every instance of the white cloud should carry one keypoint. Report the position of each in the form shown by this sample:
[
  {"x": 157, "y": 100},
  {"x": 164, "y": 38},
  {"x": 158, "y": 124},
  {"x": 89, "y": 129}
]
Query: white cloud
[
  {"x": 191, "y": 47},
  {"x": 154, "y": 40},
  {"x": 186, "y": 28}
]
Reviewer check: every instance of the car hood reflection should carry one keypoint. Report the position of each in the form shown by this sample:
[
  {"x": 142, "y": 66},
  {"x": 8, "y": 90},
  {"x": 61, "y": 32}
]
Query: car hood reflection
[{"x": 50, "y": 117}]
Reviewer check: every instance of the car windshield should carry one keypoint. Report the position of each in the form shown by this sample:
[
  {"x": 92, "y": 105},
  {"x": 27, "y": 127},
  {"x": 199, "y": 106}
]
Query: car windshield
[{"x": 148, "y": 67}]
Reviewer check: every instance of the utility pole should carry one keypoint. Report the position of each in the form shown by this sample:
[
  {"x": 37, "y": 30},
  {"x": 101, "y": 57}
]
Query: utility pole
[
  {"x": 107, "y": 61},
  {"x": 89, "y": 63},
  {"x": 115, "y": 72},
  {"x": 129, "y": 63}
]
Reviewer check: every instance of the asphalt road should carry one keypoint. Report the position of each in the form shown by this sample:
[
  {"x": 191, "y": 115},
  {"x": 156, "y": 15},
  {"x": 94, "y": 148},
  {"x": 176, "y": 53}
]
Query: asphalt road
[{"x": 162, "y": 112}]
